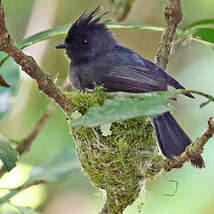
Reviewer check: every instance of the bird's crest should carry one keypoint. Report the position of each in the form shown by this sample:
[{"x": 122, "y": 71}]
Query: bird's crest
[{"x": 89, "y": 21}]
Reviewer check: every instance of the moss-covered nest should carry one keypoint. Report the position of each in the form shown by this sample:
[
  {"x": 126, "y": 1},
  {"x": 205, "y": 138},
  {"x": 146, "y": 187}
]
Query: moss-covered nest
[{"x": 119, "y": 163}]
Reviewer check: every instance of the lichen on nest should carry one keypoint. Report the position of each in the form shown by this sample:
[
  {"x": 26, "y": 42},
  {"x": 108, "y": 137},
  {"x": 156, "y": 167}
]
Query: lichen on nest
[{"x": 119, "y": 163}]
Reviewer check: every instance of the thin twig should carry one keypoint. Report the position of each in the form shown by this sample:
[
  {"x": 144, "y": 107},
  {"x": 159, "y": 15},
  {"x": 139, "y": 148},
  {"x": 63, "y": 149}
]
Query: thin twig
[
  {"x": 25, "y": 144},
  {"x": 29, "y": 66},
  {"x": 13, "y": 192},
  {"x": 208, "y": 96},
  {"x": 173, "y": 15},
  {"x": 104, "y": 210},
  {"x": 193, "y": 151},
  {"x": 176, "y": 187},
  {"x": 2, "y": 171},
  {"x": 123, "y": 10}
]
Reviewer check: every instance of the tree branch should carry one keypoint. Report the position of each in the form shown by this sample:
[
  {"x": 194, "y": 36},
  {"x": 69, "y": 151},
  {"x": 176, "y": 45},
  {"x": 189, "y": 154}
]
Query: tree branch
[
  {"x": 123, "y": 10},
  {"x": 192, "y": 152},
  {"x": 25, "y": 144},
  {"x": 173, "y": 15},
  {"x": 29, "y": 66},
  {"x": 13, "y": 192}
]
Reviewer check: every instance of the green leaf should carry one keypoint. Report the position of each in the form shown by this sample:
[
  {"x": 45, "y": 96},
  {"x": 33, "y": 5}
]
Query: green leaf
[
  {"x": 204, "y": 103},
  {"x": 3, "y": 58},
  {"x": 7, "y": 154},
  {"x": 63, "y": 30},
  {"x": 205, "y": 34},
  {"x": 58, "y": 169},
  {"x": 44, "y": 35},
  {"x": 7, "y": 197},
  {"x": 121, "y": 109},
  {"x": 9, "y": 71},
  {"x": 199, "y": 22}
]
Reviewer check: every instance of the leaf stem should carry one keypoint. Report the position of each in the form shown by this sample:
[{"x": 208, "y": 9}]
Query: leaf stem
[
  {"x": 208, "y": 96},
  {"x": 13, "y": 192}
]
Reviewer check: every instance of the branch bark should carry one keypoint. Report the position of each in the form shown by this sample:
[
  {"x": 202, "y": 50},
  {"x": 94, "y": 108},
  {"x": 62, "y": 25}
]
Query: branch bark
[
  {"x": 192, "y": 152},
  {"x": 25, "y": 144},
  {"x": 173, "y": 16}
]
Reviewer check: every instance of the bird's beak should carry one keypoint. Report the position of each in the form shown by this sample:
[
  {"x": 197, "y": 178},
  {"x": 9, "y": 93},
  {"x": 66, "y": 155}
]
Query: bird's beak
[{"x": 62, "y": 46}]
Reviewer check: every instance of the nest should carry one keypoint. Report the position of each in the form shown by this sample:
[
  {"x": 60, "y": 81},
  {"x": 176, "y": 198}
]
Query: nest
[{"x": 119, "y": 162}]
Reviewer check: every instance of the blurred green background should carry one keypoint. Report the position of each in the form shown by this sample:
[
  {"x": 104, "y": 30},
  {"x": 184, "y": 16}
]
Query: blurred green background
[{"x": 191, "y": 63}]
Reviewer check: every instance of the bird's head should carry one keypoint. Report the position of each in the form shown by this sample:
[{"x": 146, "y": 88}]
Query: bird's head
[{"x": 88, "y": 37}]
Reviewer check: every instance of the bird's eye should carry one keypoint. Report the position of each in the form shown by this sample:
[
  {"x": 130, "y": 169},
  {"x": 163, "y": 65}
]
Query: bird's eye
[{"x": 85, "y": 41}]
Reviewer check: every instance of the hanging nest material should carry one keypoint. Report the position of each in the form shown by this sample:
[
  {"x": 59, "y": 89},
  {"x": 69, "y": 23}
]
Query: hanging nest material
[{"x": 120, "y": 162}]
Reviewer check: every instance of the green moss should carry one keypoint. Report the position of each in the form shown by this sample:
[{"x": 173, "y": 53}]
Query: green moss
[{"x": 119, "y": 163}]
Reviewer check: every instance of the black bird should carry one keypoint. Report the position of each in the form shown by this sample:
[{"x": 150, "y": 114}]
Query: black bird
[{"x": 98, "y": 59}]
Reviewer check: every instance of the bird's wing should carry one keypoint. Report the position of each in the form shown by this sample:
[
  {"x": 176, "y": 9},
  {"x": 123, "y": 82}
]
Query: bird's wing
[
  {"x": 138, "y": 75},
  {"x": 131, "y": 79},
  {"x": 135, "y": 75}
]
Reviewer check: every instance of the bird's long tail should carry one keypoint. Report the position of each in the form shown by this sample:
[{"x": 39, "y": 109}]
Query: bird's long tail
[{"x": 172, "y": 139}]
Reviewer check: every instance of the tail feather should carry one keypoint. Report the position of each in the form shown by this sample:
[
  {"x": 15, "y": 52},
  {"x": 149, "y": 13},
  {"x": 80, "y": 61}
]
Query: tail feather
[
  {"x": 198, "y": 163},
  {"x": 171, "y": 138}
]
